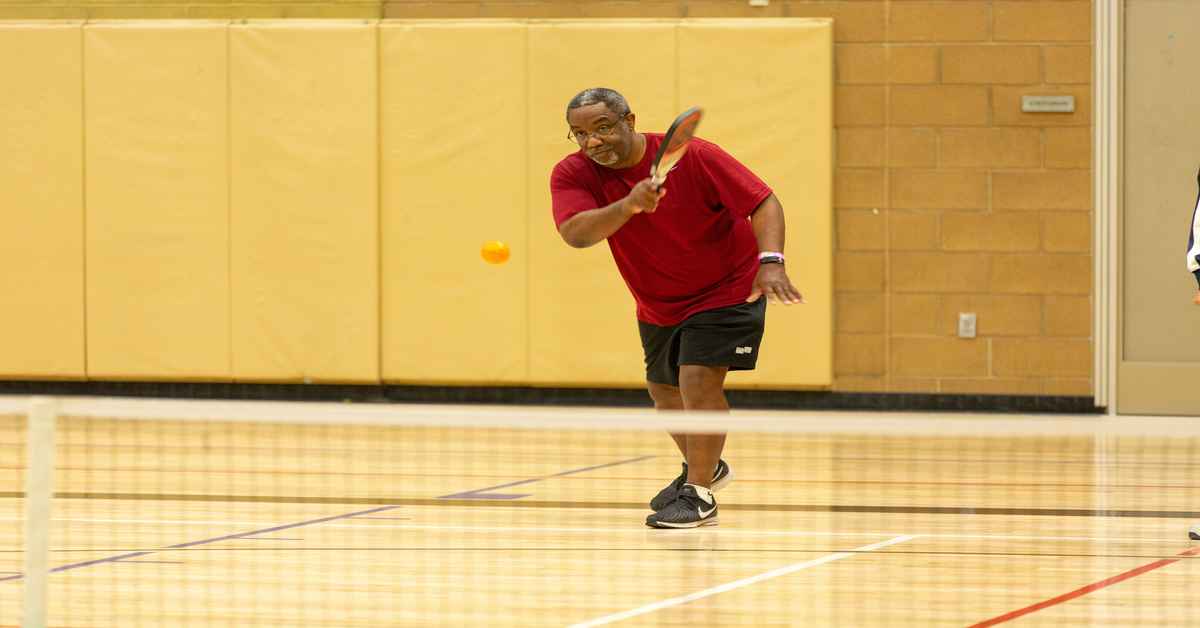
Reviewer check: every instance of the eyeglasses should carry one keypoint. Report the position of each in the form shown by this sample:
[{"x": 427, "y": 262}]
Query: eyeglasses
[{"x": 604, "y": 130}]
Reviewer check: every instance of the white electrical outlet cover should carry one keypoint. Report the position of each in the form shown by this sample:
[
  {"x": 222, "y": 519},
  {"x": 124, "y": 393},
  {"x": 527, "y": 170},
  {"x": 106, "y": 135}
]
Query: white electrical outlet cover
[{"x": 966, "y": 325}]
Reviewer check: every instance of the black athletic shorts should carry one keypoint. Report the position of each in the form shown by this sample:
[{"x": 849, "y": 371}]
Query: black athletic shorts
[{"x": 727, "y": 336}]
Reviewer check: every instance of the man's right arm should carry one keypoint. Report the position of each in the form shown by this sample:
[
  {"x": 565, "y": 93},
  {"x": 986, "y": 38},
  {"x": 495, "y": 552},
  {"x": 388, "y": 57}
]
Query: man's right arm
[
  {"x": 590, "y": 227},
  {"x": 594, "y": 225}
]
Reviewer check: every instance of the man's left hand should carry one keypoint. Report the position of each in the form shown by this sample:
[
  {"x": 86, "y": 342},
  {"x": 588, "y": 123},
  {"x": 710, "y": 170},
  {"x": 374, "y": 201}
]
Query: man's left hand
[
  {"x": 1196, "y": 299},
  {"x": 772, "y": 281}
]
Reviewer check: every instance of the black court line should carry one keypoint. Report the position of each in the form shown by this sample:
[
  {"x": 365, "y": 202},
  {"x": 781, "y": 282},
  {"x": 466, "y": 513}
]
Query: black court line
[{"x": 479, "y": 503}]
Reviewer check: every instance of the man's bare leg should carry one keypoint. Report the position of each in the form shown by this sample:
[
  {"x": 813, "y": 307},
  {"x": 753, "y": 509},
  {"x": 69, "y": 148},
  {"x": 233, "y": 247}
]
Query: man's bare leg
[
  {"x": 702, "y": 388},
  {"x": 668, "y": 397}
]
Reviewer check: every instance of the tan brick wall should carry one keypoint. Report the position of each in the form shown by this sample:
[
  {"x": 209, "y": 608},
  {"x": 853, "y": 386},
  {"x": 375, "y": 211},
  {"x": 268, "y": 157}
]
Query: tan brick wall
[
  {"x": 948, "y": 198},
  {"x": 987, "y": 209}
]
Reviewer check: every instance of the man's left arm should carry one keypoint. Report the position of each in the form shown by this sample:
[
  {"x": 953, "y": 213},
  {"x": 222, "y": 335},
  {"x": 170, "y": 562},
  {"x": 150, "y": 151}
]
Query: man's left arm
[
  {"x": 734, "y": 187},
  {"x": 772, "y": 280}
]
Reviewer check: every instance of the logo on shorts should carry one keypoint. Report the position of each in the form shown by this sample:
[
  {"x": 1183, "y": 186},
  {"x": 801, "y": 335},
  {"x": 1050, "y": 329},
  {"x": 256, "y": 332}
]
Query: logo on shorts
[{"x": 743, "y": 350}]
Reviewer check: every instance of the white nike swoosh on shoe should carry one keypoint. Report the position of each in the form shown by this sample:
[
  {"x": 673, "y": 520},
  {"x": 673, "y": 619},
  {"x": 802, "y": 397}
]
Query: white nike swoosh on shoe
[{"x": 703, "y": 513}]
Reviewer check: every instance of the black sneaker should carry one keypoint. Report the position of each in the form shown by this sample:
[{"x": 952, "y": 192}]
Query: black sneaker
[
  {"x": 1194, "y": 533},
  {"x": 721, "y": 478},
  {"x": 693, "y": 507}
]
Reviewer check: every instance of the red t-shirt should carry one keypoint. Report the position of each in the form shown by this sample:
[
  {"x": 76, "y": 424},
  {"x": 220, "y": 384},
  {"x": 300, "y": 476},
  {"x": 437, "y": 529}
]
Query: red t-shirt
[{"x": 697, "y": 251}]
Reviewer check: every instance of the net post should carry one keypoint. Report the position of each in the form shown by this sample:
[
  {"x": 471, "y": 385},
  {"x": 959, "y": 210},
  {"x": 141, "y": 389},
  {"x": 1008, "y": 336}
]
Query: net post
[{"x": 39, "y": 490}]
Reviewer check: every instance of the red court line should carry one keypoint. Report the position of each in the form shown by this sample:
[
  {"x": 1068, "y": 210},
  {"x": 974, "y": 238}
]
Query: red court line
[{"x": 1082, "y": 591}]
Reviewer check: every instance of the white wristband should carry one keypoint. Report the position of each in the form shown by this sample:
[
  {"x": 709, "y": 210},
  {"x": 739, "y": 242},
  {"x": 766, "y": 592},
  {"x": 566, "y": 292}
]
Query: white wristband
[{"x": 770, "y": 254}]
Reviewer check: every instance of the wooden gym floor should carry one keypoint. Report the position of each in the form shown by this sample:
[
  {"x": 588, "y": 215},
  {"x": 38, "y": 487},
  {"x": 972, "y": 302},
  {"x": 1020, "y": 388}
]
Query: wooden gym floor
[{"x": 223, "y": 524}]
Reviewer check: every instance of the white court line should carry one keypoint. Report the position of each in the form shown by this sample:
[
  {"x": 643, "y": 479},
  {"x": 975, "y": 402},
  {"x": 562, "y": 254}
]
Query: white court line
[
  {"x": 736, "y": 584},
  {"x": 627, "y": 530}
]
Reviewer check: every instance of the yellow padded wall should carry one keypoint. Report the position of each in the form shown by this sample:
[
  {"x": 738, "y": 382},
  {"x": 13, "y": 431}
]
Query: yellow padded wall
[
  {"x": 158, "y": 201},
  {"x": 767, "y": 88},
  {"x": 304, "y": 201},
  {"x": 583, "y": 329},
  {"x": 453, "y": 160},
  {"x": 41, "y": 201}
]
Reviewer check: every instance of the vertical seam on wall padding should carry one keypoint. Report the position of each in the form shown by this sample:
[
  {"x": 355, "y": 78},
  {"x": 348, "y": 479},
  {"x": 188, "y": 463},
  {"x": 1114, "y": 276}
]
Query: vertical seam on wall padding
[
  {"x": 229, "y": 197},
  {"x": 832, "y": 234},
  {"x": 529, "y": 211},
  {"x": 83, "y": 183},
  {"x": 678, "y": 80},
  {"x": 378, "y": 202}
]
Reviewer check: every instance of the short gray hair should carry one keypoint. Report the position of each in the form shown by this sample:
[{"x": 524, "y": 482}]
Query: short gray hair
[{"x": 615, "y": 102}]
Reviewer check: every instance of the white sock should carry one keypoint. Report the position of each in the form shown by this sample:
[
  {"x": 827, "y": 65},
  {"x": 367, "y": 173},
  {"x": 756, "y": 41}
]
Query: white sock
[{"x": 703, "y": 492}]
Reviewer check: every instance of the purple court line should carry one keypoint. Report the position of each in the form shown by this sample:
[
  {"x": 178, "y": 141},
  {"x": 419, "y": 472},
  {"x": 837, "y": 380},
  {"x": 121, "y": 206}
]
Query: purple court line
[
  {"x": 153, "y": 562},
  {"x": 227, "y": 537},
  {"x": 268, "y": 538},
  {"x": 476, "y": 494},
  {"x": 481, "y": 493},
  {"x": 388, "y": 518}
]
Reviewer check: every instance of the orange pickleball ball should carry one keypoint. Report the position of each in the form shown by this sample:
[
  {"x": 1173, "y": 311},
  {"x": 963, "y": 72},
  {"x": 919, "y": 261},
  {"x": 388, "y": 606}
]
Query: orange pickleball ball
[{"x": 495, "y": 252}]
